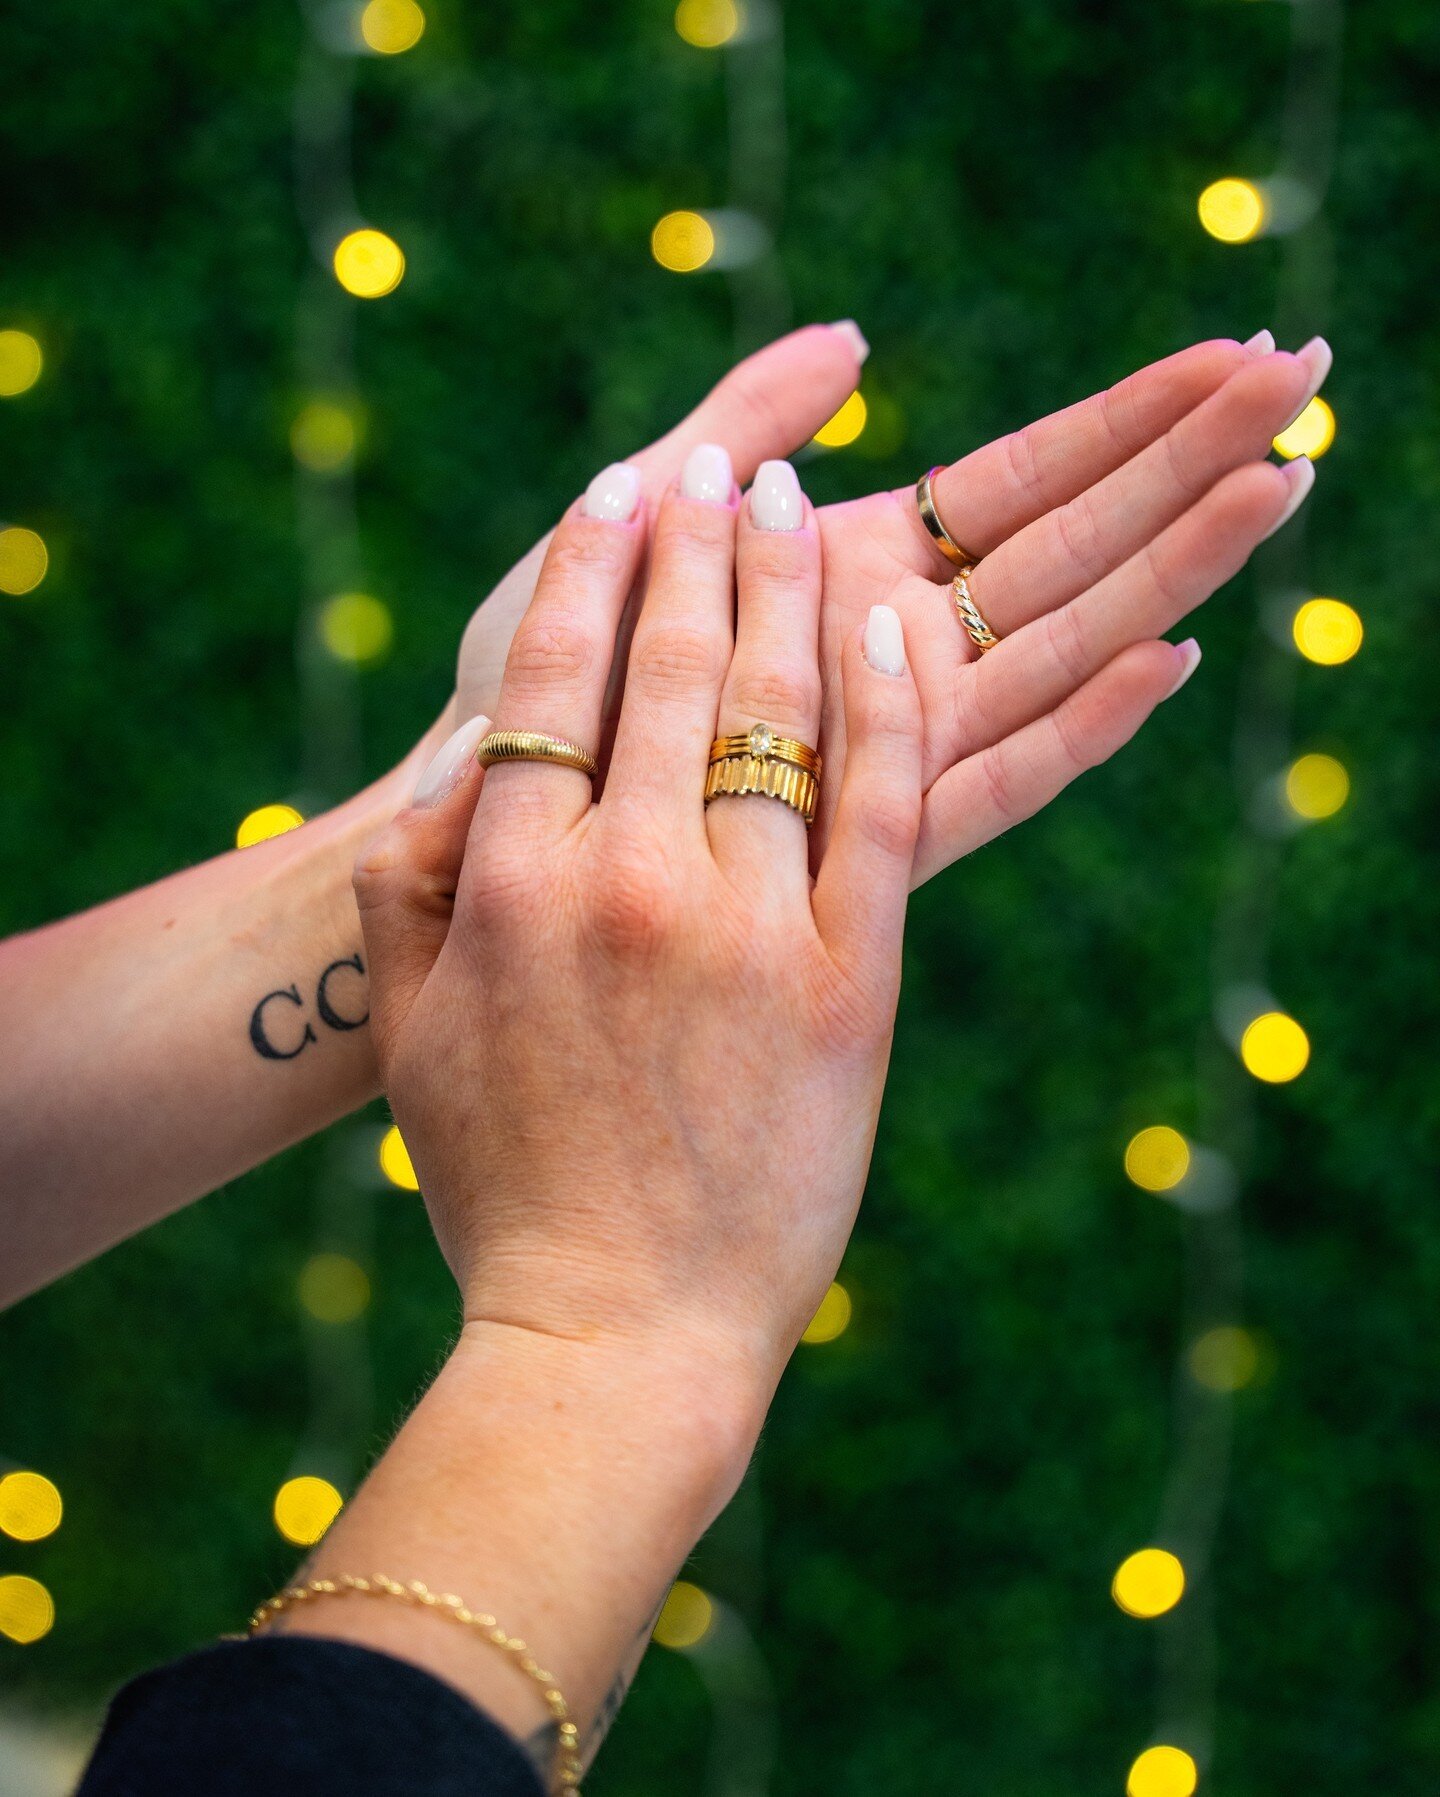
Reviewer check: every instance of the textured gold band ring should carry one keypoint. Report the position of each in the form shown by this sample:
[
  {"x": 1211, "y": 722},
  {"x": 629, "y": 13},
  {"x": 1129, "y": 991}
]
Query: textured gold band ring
[
  {"x": 759, "y": 761},
  {"x": 979, "y": 632},
  {"x": 532, "y": 745},
  {"x": 930, "y": 518}
]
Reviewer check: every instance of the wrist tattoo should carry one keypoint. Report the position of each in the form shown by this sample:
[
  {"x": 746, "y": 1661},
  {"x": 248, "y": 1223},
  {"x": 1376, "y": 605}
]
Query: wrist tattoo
[{"x": 280, "y": 1025}]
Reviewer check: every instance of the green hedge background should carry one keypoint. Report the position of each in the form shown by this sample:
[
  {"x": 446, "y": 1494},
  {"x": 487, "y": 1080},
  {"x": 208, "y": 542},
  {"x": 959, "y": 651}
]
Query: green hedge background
[{"x": 1003, "y": 195}]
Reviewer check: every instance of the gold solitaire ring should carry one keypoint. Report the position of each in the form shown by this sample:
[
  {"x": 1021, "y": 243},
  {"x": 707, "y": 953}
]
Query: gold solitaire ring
[
  {"x": 979, "y": 632},
  {"x": 760, "y": 761},
  {"x": 532, "y": 745},
  {"x": 930, "y": 518}
]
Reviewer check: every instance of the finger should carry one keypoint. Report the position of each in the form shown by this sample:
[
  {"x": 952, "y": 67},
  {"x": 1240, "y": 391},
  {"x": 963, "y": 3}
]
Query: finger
[
  {"x": 982, "y": 796},
  {"x": 680, "y": 649},
  {"x": 774, "y": 677},
  {"x": 865, "y": 875},
  {"x": 1079, "y": 543},
  {"x": 767, "y": 406},
  {"x": 990, "y": 494},
  {"x": 405, "y": 878},
  {"x": 559, "y": 661},
  {"x": 1032, "y": 672}
]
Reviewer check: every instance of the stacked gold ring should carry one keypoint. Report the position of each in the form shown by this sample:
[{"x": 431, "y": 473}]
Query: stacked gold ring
[
  {"x": 979, "y": 632},
  {"x": 930, "y": 518},
  {"x": 532, "y": 745},
  {"x": 760, "y": 761}
]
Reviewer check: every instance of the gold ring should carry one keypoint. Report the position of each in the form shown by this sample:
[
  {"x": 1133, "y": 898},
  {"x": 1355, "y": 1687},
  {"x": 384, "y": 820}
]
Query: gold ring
[
  {"x": 532, "y": 745},
  {"x": 979, "y": 632},
  {"x": 930, "y": 518},
  {"x": 759, "y": 761}
]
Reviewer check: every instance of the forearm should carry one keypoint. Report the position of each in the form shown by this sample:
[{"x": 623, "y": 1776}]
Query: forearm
[
  {"x": 559, "y": 1485},
  {"x": 164, "y": 1043}
]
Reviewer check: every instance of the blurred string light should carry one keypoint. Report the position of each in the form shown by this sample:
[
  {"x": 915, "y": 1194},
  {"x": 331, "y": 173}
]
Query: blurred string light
[
  {"x": 685, "y": 1618},
  {"x": 1148, "y": 1583},
  {"x": 368, "y": 263},
  {"x": 707, "y": 24},
  {"x": 27, "y": 1610},
  {"x": 30, "y": 1506},
  {"x": 333, "y": 1288},
  {"x": 24, "y": 560},
  {"x": 356, "y": 627},
  {"x": 324, "y": 435},
  {"x": 395, "y": 1162},
  {"x": 1218, "y": 1356},
  {"x": 1158, "y": 1158},
  {"x": 21, "y": 360},
  {"x": 1316, "y": 786},
  {"x": 683, "y": 242},
  {"x": 305, "y": 1507},
  {"x": 264, "y": 822},
  {"x": 832, "y": 1318},
  {"x": 846, "y": 425},
  {"x": 390, "y": 27}
]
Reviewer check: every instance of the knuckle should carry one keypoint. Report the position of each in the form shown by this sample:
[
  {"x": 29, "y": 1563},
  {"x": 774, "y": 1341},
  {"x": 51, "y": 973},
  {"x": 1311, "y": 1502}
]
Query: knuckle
[
  {"x": 677, "y": 658},
  {"x": 891, "y": 823},
  {"x": 776, "y": 691},
  {"x": 1065, "y": 638},
  {"x": 632, "y": 909},
  {"x": 552, "y": 647},
  {"x": 778, "y": 566},
  {"x": 1023, "y": 462},
  {"x": 1000, "y": 785},
  {"x": 1081, "y": 537},
  {"x": 587, "y": 552},
  {"x": 1163, "y": 576},
  {"x": 1180, "y": 462},
  {"x": 1074, "y": 740}
]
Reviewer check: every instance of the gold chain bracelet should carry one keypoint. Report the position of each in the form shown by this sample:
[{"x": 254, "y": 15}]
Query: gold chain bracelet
[{"x": 568, "y": 1765}]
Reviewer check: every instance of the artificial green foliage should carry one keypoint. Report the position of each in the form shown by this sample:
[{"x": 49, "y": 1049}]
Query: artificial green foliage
[{"x": 1003, "y": 194}]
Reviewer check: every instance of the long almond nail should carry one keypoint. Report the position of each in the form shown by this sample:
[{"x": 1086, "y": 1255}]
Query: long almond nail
[
  {"x": 708, "y": 474},
  {"x": 1261, "y": 344},
  {"x": 1301, "y": 476},
  {"x": 775, "y": 499},
  {"x": 1188, "y": 656},
  {"x": 1318, "y": 358},
  {"x": 884, "y": 640},
  {"x": 854, "y": 336},
  {"x": 614, "y": 493},
  {"x": 451, "y": 763}
]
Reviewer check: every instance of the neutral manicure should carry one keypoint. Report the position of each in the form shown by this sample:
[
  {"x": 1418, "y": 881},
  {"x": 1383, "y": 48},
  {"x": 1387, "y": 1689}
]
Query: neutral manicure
[
  {"x": 614, "y": 493},
  {"x": 1301, "y": 475},
  {"x": 708, "y": 474},
  {"x": 1189, "y": 656},
  {"x": 854, "y": 336},
  {"x": 450, "y": 764},
  {"x": 776, "y": 502},
  {"x": 884, "y": 640}
]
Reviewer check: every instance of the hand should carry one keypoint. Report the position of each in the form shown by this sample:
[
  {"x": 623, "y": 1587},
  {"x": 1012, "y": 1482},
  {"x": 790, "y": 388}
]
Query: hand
[{"x": 677, "y": 1047}]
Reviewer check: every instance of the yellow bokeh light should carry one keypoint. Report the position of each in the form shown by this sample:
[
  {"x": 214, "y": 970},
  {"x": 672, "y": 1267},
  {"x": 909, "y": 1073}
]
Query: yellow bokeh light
[
  {"x": 264, "y": 822},
  {"x": 832, "y": 1319},
  {"x": 1157, "y": 1158},
  {"x": 356, "y": 627},
  {"x": 1328, "y": 631},
  {"x": 369, "y": 264},
  {"x": 27, "y": 1610},
  {"x": 1311, "y": 434},
  {"x": 333, "y": 1288},
  {"x": 323, "y": 436},
  {"x": 707, "y": 23},
  {"x": 23, "y": 560},
  {"x": 391, "y": 26},
  {"x": 1232, "y": 210},
  {"x": 20, "y": 363},
  {"x": 305, "y": 1508},
  {"x": 1162, "y": 1772},
  {"x": 30, "y": 1506},
  {"x": 682, "y": 242},
  {"x": 1148, "y": 1583},
  {"x": 395, "y": 1162},
  {"x": 1224, "y": 1358},
  {"x": 685, "y": 1619},
  {"x": 1317, "y": 786},
  {"x": 846, "y": 425},
  {"x": 1275, "y": 1048}
]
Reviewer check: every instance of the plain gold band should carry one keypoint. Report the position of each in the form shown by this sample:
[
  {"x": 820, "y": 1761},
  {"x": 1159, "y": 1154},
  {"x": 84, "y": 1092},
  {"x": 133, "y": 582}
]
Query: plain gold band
[
  {"x": 930, "y": 518},
  {"x": 979, "y": 632},
  {"x": 532, "y": 745}
]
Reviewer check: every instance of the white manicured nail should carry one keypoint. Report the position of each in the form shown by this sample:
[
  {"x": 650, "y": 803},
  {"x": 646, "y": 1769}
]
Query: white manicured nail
[
  {"x": 1301, "y": 475},
  {"x": 884, "y": 642},
  {"x": 854, "y": 336},
  {"x": 1189, "y": 653},
  {"x": 1261, "y": 344},
  {"x": 707, "y": 474},
  {"x": 614, "y": 493},
  {"x": 1318, "y": 357},
  {"x": 775, "y": 501},
  {"x": 450, "y": 764}
]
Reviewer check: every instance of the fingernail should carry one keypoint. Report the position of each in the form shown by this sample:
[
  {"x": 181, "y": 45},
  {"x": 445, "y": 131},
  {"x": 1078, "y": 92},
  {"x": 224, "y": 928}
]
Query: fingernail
[
  {"x": 1301, "y": 475},
  {"x": 1261, "y": 344},
  {"x": 775, "y": 501},
  {"x": 884, "y": 641},
  {"x": 1188, "y": 655},
  {"x": 707, "y": 474},
  {"x": 1317, "y": 356},
  {"x": 614, "y": 493},
  {"x": 854, "y": 336},
  {"x": 448, "y": 768}
]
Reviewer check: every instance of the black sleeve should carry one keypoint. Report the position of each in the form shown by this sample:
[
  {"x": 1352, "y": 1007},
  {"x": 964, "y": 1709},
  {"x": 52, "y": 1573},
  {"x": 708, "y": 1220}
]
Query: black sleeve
[{"x": 299, "y": 1716}]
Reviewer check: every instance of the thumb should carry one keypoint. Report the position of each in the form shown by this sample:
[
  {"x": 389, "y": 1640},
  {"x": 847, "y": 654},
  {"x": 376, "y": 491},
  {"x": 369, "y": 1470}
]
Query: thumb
[{"x": 405, "y": 881}]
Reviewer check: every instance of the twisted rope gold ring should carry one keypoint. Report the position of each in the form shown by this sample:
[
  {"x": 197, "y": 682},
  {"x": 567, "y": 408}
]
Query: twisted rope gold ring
[{"x": 979, "y": 632}]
